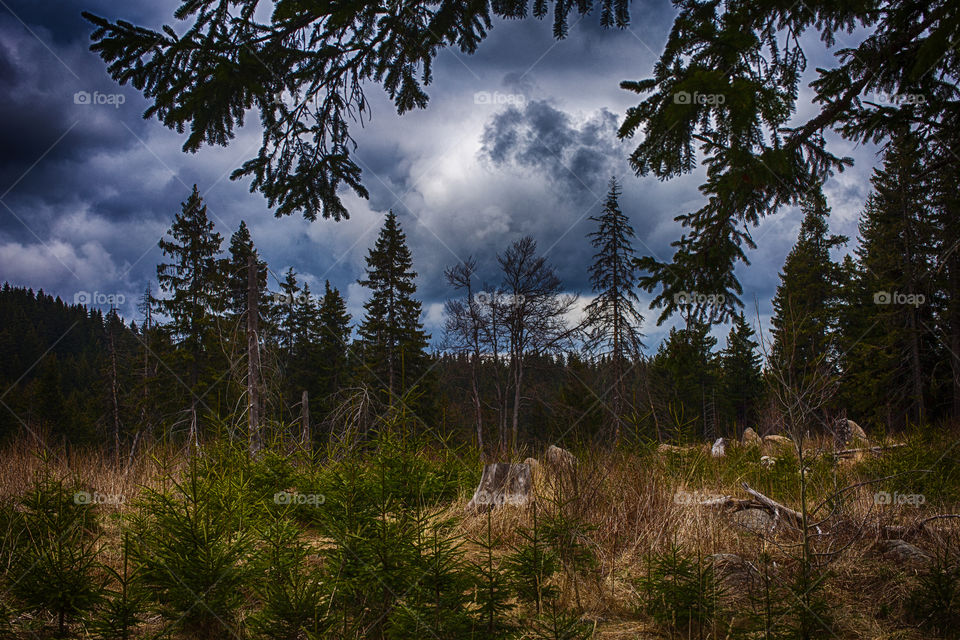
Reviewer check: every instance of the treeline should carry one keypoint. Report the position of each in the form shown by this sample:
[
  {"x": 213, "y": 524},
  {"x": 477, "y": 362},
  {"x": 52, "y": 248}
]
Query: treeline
[{"x": 875, "y": 336}]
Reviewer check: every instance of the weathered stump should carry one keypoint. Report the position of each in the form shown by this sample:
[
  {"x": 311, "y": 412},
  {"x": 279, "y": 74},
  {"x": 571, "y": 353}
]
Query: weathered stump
[{"x": 500, "y": 484}]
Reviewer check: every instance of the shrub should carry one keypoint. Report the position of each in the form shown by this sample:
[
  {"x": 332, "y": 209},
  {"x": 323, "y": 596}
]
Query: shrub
[
  {"x": 680, "y": 593},
  {"x": 53, "y": 567},
  {"x": 191, "y": 548},
  {"x": 290, "y": 591}
]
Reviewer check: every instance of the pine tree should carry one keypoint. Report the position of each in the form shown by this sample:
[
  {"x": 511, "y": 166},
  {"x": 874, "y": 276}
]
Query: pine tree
[
  {"x": 613, "y": 319},
  {"x": 393, "y": 341},
  {"x": 741, "y": 380},
  {"x": 806, "y": 302},
  {"x": 191, "y": 282}
]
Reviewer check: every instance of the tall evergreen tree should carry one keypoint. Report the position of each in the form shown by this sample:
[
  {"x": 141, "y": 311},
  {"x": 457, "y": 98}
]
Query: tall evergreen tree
[
  {"x": 741, "y": 379},
  {"x": 685, "y": 376},
  {"x": 333, "y": 341},
  {"x": 893, "y": 346},
  {"x": 392, "y": 338},
  {"x": 613, "y": 318},
  {"x": 191, "y": 284},
  {"x": 235, "y": 267},
  {"x": 806, "y": 302},
  {"x": 946, "y": 210}
]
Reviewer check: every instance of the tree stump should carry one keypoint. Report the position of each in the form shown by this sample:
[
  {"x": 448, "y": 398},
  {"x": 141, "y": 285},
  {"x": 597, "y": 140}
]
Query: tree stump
[{"x": 501, "y": 484}]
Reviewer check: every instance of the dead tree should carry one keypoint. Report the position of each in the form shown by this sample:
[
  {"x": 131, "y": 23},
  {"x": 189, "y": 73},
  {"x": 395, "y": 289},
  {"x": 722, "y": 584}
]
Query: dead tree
[
  {"x": 534, "y": 314},
  {"x": 463, "y": 331},
  {"x": 253, "y": 358}
]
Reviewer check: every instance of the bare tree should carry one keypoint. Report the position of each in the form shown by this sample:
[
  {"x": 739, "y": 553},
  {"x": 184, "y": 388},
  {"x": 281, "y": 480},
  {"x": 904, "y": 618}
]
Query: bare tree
[
  {"x": 534, "y": 312},
  {"x": 464, "y": 330}
]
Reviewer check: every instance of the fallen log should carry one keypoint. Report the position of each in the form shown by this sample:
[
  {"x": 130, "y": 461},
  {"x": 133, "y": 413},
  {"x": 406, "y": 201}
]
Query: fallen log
[
  {"x": 794, "y": 517},
  {"x": 875, "y": 449}
]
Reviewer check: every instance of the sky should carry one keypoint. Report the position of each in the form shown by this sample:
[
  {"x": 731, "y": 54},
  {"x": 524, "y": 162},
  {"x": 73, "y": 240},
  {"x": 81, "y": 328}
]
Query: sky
[{"x": 518, "y": 139}]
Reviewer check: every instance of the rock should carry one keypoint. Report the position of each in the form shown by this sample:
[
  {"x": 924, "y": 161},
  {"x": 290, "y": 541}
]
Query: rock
[
  {"x": 750, "y": 438},
  {"x": 502, "y": 484},
  {"x": 903, "y": 553},
  {"x": 755, "y": 520},
  {"x": 856, "y": 432},
  {"x": 777, "y": 442},
  {"x": 767, "y": 461},
  {"x": 719, "y": 448},
  {"x": 560, "y": 458},
  {"x": 733, "y": 572}
]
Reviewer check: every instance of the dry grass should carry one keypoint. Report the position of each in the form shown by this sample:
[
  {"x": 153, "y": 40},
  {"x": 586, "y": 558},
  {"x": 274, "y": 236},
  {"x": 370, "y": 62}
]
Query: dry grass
[{"x": 628, "y": 500}]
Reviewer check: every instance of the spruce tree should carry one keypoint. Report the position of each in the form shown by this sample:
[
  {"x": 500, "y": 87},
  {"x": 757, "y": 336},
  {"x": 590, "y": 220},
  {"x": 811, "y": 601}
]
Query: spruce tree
[
  {"x": 806, "y": 302},
  {"x": 191, "y": 284},
  {"x": 684, "y": 370},
  {"x": 332, "y": 342},
  {"x": 284, "y": 315},
  {"x": 895, "y": 350},
  {"x": 393, "y": 341},
  {"x": 613, "y": 318},
  {"x": 741, "y": 380},
  {"x": 235, "y": 276}
]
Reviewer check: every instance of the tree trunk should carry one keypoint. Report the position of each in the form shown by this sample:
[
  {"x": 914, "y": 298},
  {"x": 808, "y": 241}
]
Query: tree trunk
[
  {"x": 253, "y": 359},
  {"x": 305, "y": 419}
]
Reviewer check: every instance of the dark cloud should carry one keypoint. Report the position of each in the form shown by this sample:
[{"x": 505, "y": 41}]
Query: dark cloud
[{"x": 538, "y": 136}]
